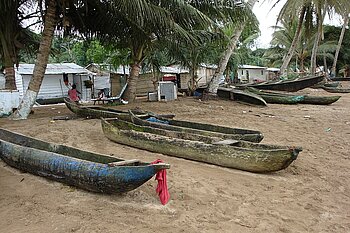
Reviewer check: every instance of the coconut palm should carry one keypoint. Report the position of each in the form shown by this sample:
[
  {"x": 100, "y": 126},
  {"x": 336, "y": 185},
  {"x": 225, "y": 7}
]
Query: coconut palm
[
  {"x": 231, "y": 46},
  {"x": 13, "y": 36},
  {"x": 340, "y": 41}
]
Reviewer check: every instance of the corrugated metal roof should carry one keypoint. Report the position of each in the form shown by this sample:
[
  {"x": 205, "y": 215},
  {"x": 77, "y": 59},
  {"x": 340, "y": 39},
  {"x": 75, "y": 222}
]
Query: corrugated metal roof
[
  {"x": 54, "y": 68},
  {"x": 251, "y": 67},
  {"x": 106, "y": 68}
]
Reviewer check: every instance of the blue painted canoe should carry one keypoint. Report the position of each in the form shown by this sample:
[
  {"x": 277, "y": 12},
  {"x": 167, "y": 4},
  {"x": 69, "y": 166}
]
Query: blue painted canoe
[{"x": 83, "y": 169}]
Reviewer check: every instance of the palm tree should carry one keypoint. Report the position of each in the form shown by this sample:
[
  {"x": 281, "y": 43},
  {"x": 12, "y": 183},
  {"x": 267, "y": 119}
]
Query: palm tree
[
  {"x": 231, "y": 46},
  {"x": 340, "y": 41},
  {"x": 13, "y": 36},
  {"x": 40, "y": 66}
]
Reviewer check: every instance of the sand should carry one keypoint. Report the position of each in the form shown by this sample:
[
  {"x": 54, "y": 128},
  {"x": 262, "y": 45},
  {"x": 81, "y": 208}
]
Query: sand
[{"x": 311, "y": 195}]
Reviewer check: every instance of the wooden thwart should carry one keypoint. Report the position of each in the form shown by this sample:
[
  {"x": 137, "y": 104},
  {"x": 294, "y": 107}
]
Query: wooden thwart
[{"x": 125, "y": 162}]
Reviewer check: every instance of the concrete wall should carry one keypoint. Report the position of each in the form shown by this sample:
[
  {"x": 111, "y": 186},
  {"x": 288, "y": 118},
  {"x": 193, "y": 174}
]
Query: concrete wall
[
  {"x": 252, "y": 75},
  {"x": 8, "y": 101}
]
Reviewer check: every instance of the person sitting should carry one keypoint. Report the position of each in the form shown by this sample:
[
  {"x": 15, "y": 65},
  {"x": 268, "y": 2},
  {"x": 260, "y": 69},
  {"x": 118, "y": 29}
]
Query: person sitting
[
  {"x": 73, "y": 94},
  {"x": 101, "y": 94}
]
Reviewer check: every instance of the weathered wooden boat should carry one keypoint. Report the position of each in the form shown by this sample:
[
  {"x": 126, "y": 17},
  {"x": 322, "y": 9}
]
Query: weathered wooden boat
[
  {"x": 289, "y": 85},
  {"x": 98, "y": 111},
  {"x": 288, "y": 98},
  {"x": 336, "y": 90},
  {"x": 331, "y": 84},
  {"x": 240, "y": 95},
  {"x": 340, "y": 78},
  {"x": 198, "y": 128},
  {"x": 83, "y": 169},
  {"x": 248, "y": 156}
]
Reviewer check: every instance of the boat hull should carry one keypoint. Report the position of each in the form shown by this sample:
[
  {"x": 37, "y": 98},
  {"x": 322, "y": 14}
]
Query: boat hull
[
  {"x": 289, "y": 85},
  {"x": 202, "y": 129},
  {"x": 247, "y": 156},
  {"x": 53, "y": 161},
  {"x": 241, "y": 96}
]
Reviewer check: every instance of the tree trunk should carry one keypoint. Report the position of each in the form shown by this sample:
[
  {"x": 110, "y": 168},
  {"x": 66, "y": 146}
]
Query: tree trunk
[
  {"x": 130, "y": 94},
  {"x": 340, "y": 41},
  {"x": 41, "y": 63},
  {"x": 320, "y": 18},
  {"x": 296, "y": 38},
  {"x": 225, "y": 57},
  {"x": 10, "y": 81}
]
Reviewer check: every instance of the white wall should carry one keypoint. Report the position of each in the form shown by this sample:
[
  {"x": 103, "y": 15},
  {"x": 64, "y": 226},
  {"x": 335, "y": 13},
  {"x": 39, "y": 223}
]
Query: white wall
[
  {"x": 8, "y": 101},
  {"x": 54, "y": 87},
  {"x": 101, "y": 82},
  {"x": 2, "y": 81},
  {"x": 253, "y": 75}
]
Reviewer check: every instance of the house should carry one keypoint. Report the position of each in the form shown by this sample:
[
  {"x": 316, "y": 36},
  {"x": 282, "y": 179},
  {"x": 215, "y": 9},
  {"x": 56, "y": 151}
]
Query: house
[
  {"x": 57, "y": 81},
  {"x": 250, "y": 74},
  {"x": 108, "y": 78}
]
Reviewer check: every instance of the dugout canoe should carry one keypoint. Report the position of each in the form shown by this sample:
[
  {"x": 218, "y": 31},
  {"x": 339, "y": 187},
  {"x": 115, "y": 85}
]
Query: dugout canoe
[
  {"x": 210, "y": 130},
  {"x": 289, "y": 85},
  {"x": 241, "y": 96},
  {"x": 288, "y": 98},
  {"x": 83, "y": 169},
  {"x": 98, "y": 111},
  {"x": 336, "y": 90},
  {"x": 247, "y": 156}
]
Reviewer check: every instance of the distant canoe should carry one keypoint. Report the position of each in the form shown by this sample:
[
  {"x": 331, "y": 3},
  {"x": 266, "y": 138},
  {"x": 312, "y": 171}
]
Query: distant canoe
[
  {"x": 253, "y": 157},
  {"x": 87, "y": 170},
  {"x": 98, "y": 111},
  {"x": 289, "y": 85},
  {"x": 340, "y": 79},
  {"x": 210, "y": 130},
  {"x": 288, "y": 98},
  {"x": 336, "y": 90},
  {"x": 240, "y": 95}
]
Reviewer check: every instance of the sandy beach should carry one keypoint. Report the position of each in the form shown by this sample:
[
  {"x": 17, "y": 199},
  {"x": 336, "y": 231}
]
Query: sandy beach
[{"x": 311, "y": 195}]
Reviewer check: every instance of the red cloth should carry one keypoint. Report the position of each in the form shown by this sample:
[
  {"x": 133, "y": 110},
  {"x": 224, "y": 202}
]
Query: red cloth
[
  {"x": 162, "y": 187},
  {"x": 73, "y": 95}
]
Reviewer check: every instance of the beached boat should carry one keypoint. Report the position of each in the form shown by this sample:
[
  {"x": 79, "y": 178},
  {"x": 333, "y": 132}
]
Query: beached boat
[
  {"x": 288, "y": 98},
  {"x": 83, "y": 169},
  {"x": 291, "y": 85},
  {"x": 198, "y": 128},
  {"x": 336, "y": 90},
  {"x": 240, "y": 95},
  {"x": 340, "y": 78},
  {"x": 248, "y": 156},
  {"x": 98, "y": 111}
]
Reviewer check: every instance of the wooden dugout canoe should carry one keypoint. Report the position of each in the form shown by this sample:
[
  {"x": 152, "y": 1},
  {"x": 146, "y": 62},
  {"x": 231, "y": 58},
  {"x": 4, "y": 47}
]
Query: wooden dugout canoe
[
  {"x": 288, "y": 98},
  {"x": 83, "y": 169},
  {"x": 336, "y": 90},
  {"x": 98, "y": 111},
  {"x": 289, "y": 85},
  {"x": 241, "y": 96},
  {"x": 199, "y": 128},
  {"x": 253, "y": 157}
]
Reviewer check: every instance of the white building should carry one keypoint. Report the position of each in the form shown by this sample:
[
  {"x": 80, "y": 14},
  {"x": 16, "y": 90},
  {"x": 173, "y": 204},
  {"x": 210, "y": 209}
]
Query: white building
[
  {"x": 54, "y": 85},
  {"x": 250, "y": 74}
]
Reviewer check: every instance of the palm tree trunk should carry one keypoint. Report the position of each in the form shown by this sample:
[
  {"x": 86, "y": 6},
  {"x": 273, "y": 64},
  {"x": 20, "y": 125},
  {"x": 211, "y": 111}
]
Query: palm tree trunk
[
  {"x": 320, "y": 18},
  {"x": 130, "y": 94},
  {"x": 340, "y": 41},
  {"x": 225, "y": 57},
  {"x": 296, "y": 38},
  {"x": 41, "y": 63},
  {"x": 10, "y": 82}
]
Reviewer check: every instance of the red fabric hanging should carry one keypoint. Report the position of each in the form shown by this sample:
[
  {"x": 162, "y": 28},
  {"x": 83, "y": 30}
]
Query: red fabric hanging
[{"x": 162, "y": 187}]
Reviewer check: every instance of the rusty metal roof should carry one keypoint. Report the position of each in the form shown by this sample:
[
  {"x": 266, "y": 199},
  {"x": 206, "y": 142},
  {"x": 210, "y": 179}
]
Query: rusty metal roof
[{"x": 54, "y": 68}]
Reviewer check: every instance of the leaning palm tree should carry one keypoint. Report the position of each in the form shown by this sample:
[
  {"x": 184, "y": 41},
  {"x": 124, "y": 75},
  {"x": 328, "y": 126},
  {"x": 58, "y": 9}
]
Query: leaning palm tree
[
  {"x": 231, "y": 46},
  {"x": 340, "y": 41}
]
